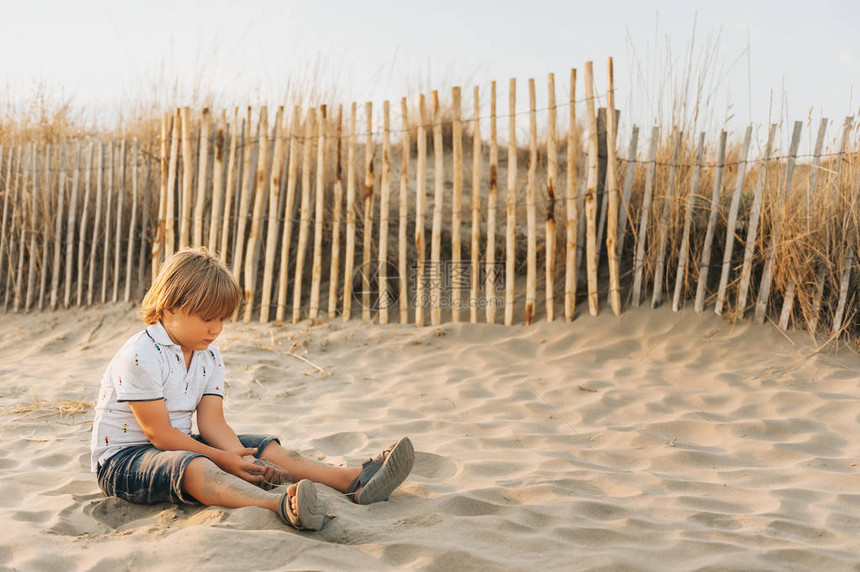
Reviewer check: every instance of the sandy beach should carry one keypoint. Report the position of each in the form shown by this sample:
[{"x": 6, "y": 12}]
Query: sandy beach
[{"x": 656, "y": 441}]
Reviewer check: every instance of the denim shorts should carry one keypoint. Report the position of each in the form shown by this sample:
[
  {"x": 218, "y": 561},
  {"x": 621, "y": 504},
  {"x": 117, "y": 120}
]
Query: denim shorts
[{"x": 143, "y": 474}]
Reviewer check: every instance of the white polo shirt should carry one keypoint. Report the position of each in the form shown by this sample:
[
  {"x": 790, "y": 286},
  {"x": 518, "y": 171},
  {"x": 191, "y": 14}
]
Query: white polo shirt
[{"x": 149, "y": 367}]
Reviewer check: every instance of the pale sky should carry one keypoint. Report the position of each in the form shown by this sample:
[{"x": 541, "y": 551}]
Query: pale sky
[{"x": 803, "y": 59}]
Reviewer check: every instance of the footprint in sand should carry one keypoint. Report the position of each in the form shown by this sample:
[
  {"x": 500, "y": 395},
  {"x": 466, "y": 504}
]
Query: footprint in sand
[
  {"x": 433, "y": 466},
  {"x": 117, "y": 513},
  {"x": 340, "y": 443}
]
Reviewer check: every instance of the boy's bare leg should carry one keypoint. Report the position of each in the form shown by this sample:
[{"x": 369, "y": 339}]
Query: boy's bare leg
[
  {"x": 211, "y": 486},
  {"x": 298, "y": 468}
]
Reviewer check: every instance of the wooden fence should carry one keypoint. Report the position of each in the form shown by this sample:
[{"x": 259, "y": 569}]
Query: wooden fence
[{"x": 284, "y": 200}]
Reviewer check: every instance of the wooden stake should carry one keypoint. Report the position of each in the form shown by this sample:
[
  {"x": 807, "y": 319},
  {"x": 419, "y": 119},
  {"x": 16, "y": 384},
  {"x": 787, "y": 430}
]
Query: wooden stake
[
  {"x": 816, "y": 161},
  {"x": 420, "y": 195},
  {"x": 46, "y": 205},
  {"x": 659, "y": 269},
  {"x": 492, "y": 199},
  {"x": 316, "y": 267},
  {"x": 58, "y": 229},
  {"x": 133, "y": 224},
  {"x": 97, "y": 224},
  {"x": 788, "y": 300},
  {"x": 830, "y": 206},
  {"x": 628, "y": 189},
  {"x": 202, "y": 165},
  {"x": 334, "y": 280},
  {"x": 273, "y": 227},
  {"x": 244, "y": 198},
  {"x": 850, "y": 240},
  {"x": 4, "y": 243},
  {"x": 236, "y": 134},
  {"x": 367, "y": 264},
  {"x": 108, "y": 227},
  {"x": 158, "y": 239},
  {"x": 767, "y": 274},
  {"x": 551, "y": 185},
  {"x": 591, "y": 191},
  {"x": 170, "y": 204},
  {"x": 581, "y": 223},
  {"x": 217, "y": 182},
  {"x": 705, "y": 263},
  {"x": 733, "y": 219},
  {"x": 457, "y": 272},
  {"x": 142, "y": 282},
  {"x": 252, "y": 254},
  {"x": 8, "y": 238},
  {"x": 304, "y": 219},
  {"x": 644, "y": 214},
  {"x": 349, "y": 262},
  {"x": 34, "y": 214},
  {"x": 602, "y": 195},
  {"x": 511, "y": 205},
  {"x": 692, "y": 199},
  {"x": 384, "y": 301},
  {"x": 571, "y": 205},
  {"x": 436, "y": 268},
  {"x": 82, "y": 232},
  {"x": 844, "y": 282},
  {"x": 612, "y": 191},
  {"x": 17, "y": 226},
  {"x": 119, "y": 214},
  {"x": 286, "y": 237},
  {"x": 752, "y": 229},
  {"x": 16, "y": 222},
  {"x": 187, "y": 179},
  {"x": 476, "y": 209},
  {"x": 32, "y": 151},
  {"x": 402, "y": 245},
  {"x": 531, "y": 210}
]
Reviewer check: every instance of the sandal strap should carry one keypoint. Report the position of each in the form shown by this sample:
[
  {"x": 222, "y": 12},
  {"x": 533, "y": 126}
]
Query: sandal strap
[
  {"x": 368, "y": 469},
  {"x": 287, "y": 514}
]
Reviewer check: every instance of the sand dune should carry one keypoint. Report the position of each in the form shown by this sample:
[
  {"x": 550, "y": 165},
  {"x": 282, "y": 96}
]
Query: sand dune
[{"x": 651, "y": 442}]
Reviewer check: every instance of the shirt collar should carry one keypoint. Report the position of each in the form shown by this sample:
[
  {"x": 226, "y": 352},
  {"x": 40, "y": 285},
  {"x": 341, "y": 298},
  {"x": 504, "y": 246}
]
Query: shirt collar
[{"x": 159, "y": 335}]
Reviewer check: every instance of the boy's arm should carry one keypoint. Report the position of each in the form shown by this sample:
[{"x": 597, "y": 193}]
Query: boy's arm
[
  {"x": 213, "y": 426},
  {"x": 217, "y": 432},
  {"x": 155, "y": 422}
]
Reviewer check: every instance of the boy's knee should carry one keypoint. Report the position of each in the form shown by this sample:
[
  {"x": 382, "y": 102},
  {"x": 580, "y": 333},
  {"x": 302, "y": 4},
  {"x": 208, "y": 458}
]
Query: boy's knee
[{"x": 200, "y": 466}]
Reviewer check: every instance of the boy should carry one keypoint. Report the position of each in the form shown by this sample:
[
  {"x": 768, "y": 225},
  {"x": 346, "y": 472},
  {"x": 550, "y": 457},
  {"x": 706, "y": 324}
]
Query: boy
[{"x": 142, "y": 446}]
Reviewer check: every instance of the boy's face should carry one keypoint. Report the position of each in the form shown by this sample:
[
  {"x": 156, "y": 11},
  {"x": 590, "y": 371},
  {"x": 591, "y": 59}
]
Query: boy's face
[{"x": 191, "y": 331}]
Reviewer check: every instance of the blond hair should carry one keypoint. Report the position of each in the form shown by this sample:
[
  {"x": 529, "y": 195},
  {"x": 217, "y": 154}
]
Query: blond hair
[{"x": 194, "y": 280}]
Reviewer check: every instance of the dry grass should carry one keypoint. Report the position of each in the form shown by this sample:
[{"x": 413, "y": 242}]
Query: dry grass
[{"x": 41, "y": 407}]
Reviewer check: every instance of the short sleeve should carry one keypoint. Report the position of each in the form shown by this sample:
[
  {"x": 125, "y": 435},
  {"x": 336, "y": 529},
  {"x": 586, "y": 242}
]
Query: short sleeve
[
  {"x": 137, "y": 373},
  {"x": 215, "y": 381}
]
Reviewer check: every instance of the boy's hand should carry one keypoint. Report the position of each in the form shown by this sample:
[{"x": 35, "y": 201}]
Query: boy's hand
[
  {"x": 234, "y": 462},
  {"x": 273, "y": 475}
]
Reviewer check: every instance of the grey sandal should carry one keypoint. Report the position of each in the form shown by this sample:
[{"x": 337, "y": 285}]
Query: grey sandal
[
  {"x": 380, "y": 476},
  {"x": 310, "y": 512}
]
